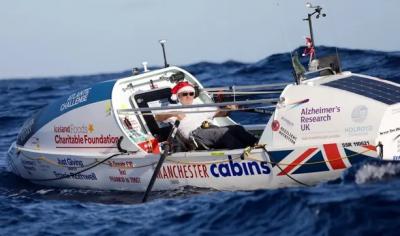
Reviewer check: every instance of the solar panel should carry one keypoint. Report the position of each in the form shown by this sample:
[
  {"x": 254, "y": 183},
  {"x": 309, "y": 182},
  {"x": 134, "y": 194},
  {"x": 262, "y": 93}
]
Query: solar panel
[{"x": 377, "y": 90}]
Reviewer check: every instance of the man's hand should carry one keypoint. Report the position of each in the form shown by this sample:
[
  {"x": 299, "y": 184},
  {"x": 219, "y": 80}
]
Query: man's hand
[
  {"x": 180, "y": 115},
  {"x": 232, "y": 107},
  {"x": 161, "y": 117},
  {"x": 226, "y": 113}
]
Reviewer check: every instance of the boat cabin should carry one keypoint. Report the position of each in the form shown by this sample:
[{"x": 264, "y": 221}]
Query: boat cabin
[{"x": 152, "y": 91}]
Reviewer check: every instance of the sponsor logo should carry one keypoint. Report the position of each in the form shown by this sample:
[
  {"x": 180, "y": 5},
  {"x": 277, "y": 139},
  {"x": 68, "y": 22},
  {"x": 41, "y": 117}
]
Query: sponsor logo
[
  {"x": 183, "y": 171},
  {"x": 316, "y": 115},
  {"x": 228, "y": 169},
  {"x": 320, "y": 137},
  {"x": 239, "y": 169},
  {"x": 81, "y": 176},
  {"x": 121, "y": 164},
  {"x": 359, "y": 114},
  {"x": 275, "y": 125},
  {"x": 123, "y": 179},
  {"x": 287, "y": 121},
  {"x": 389, "y": 131},
  {"x": 358, "y": 130},
  {"x": 287, "y": 135},
  {"x": 75, "y": 99},
  {"x": 81, "y": 134},
  {"x": 329, "y": 136},
  {"x": 108, "y": 108},
  {"x": 74, "y": 129},
  {"x": 69, "y": 162},
  {"x": 85, "y": 139}
]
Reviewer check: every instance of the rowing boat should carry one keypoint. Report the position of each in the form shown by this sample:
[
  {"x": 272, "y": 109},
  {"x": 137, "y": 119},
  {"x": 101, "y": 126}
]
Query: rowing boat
[{"x": 105, "y": 136}]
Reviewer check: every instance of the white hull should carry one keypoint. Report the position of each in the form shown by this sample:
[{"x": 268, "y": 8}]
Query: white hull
[{"x": 220, "y": 170}]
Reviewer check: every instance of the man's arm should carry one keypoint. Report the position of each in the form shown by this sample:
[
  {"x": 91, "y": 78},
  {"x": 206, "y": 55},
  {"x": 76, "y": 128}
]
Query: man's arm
[
  {"x": 165, "y": 116},
  {"x": 220, "y": 113}
]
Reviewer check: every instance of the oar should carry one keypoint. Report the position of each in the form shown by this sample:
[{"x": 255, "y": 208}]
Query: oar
[
  {"x": 238, "y": 93},
  {"x": 171, "y": 136},
  {"x": 243, "y": 109},
  {"x": 219, "y": 104},
  {"x": 242, "y": 87},
  {"x": 260, "y": 110}
]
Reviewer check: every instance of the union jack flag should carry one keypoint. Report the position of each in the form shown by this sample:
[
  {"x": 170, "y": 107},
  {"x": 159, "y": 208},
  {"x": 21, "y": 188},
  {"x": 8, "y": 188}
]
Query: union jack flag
[{"x": 323, "y": 158}]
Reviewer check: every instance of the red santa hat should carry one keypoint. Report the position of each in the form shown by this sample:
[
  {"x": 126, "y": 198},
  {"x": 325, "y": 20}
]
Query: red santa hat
[{"x": 180, "y": 88}]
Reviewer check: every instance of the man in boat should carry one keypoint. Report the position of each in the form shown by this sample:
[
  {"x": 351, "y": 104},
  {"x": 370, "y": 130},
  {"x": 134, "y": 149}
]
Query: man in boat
[{"x": 196, "y": 126}]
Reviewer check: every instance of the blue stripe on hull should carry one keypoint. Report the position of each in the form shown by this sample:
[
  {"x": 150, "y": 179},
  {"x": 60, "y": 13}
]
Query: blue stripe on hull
[
  {"x": 311, "y": 167},
  {"x": 99, "y": 92},
  {"x": 355, "y": 157},
  {"x": 278, "y": 156}
]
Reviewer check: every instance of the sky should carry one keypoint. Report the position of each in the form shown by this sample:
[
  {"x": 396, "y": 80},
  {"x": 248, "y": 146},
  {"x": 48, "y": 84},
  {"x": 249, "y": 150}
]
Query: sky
[{"x": 45, "y": 38}]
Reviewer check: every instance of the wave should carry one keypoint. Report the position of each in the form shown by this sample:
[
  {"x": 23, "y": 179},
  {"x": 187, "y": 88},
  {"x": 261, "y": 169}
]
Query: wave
[{"x": 364, "y": 200}]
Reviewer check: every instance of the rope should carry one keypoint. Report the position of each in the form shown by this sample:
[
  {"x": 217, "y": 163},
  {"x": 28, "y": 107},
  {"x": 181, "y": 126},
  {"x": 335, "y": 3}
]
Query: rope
[
  {"x": 77, "y": 173},
  {"x": 277, "y": 165},
  {"x": 201, "y": 162},
  {"x": 42, "y": 158},
  {"x": 309, "y": 163},
  {"x": 84, "y": 166},
  {"x": 246, "y": 154}
]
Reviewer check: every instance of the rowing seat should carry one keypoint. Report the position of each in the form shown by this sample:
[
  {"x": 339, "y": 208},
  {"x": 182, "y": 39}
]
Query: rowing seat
[
  {"x": 159, "y": 98},
  {"x": 162, "y": 96}
]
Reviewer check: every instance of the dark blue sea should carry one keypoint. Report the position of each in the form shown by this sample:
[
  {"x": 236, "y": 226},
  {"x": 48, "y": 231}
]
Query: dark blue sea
[{"x": 364, "y": 201}]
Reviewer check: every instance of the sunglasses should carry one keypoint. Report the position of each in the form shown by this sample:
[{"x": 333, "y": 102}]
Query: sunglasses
[{"x": 187, "y": 94}]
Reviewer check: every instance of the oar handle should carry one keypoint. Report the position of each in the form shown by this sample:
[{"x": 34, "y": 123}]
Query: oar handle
[{"x": 162, "y": 158}]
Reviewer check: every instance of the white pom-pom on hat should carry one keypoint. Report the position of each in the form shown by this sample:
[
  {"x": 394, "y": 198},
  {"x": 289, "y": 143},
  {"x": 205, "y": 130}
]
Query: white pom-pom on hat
[{"x": 174, "y": 97}]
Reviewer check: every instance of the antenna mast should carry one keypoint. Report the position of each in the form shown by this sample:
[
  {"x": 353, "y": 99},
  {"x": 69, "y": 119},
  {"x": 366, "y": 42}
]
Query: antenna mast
[
  {"x": 162, "y": 42},
  {"x": 317, "y": 10}
]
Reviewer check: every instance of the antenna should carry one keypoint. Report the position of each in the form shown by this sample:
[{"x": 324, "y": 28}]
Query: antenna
[
  {"x": 162, "y": 42},
  {"x": 317, "y": 10}
]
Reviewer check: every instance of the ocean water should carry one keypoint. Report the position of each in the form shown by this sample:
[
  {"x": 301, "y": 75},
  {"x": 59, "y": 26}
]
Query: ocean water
[{"x": 364, "y": 201}]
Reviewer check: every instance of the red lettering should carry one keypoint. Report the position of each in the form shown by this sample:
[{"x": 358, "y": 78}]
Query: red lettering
[
  {"x": 165, "y": 173},
  {"x": 185, "y": 170},
  {"x": 170, "y": 172},
  {"x": 190, "y": 171},
  {"x": 205, "y": 171},
  {"x": 199, "y": 171},
  {"x": 135, "y": 180},
  {"x": 129, "y": 164},
  {"x": 180, "y": 171},
  {"x": 195, "y": 172},
  {"x": 174, "y": 169}
]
